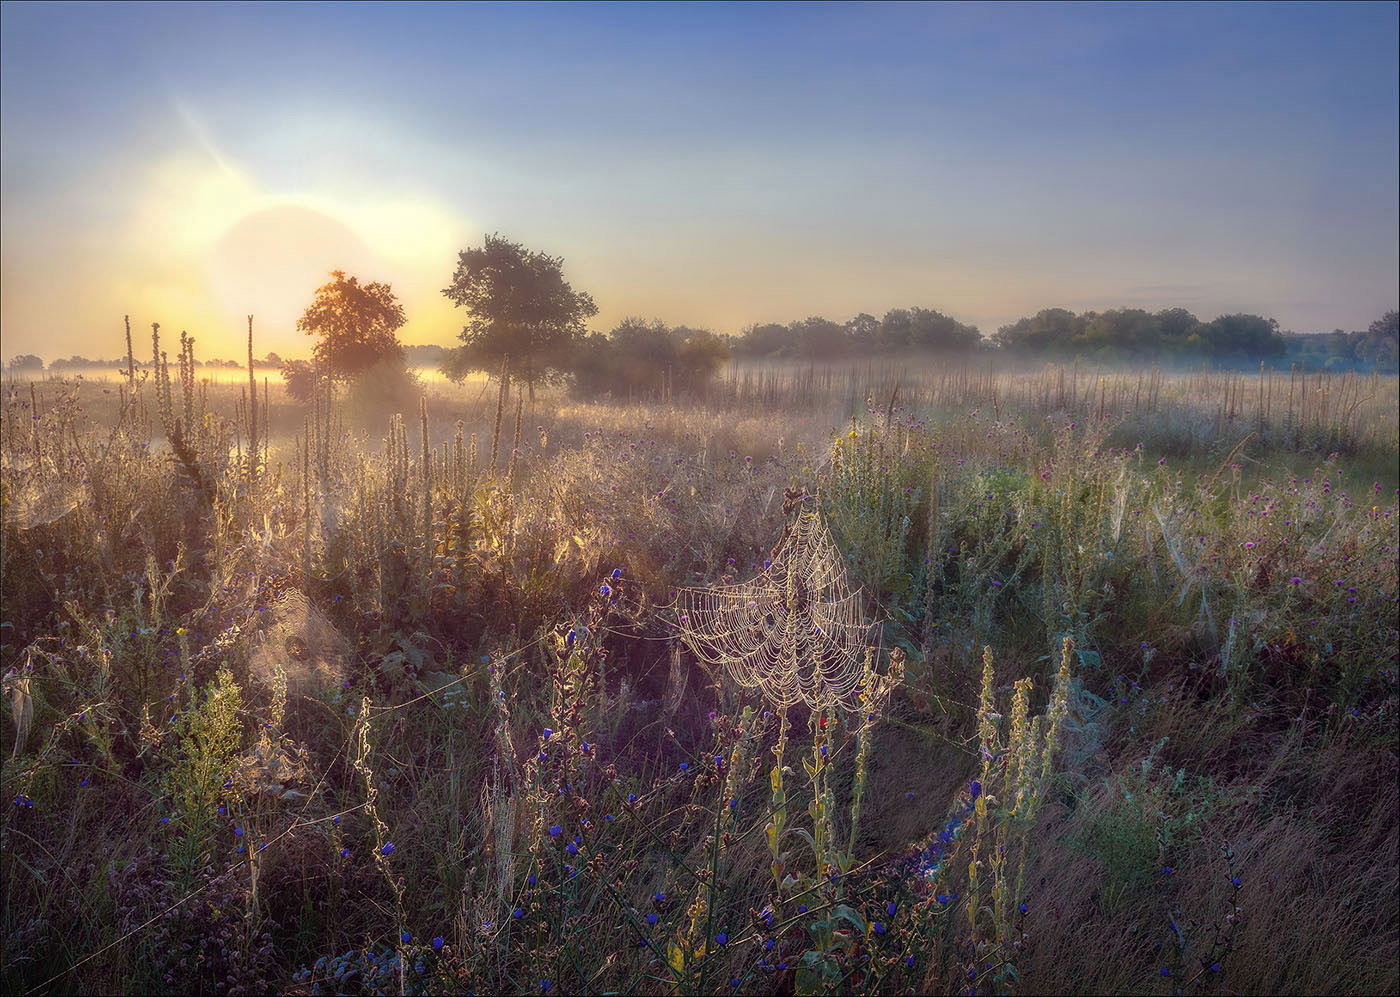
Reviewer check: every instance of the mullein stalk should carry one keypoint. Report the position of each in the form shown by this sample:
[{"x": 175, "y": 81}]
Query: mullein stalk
[{"x": 426, "y": 460}]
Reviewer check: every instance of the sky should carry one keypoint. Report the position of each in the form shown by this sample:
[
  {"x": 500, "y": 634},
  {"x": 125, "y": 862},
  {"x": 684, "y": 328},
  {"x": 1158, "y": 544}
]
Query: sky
[{"x": 708, "y": 165}]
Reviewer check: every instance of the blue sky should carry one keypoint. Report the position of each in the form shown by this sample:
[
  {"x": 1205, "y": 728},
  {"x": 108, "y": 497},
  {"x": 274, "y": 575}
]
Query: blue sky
[{"x": 708, "y": 165}]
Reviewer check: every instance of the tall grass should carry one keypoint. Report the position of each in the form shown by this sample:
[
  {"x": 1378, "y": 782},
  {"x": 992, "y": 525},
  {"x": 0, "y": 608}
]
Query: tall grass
[{"x": 317, "y": 699}]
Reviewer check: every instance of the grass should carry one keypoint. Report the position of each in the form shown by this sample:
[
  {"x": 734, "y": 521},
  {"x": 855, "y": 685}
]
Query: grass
[{"x": 278, "y": 720}]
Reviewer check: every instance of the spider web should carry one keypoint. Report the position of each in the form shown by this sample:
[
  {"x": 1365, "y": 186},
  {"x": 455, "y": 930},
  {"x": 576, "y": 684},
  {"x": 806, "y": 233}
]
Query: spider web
[{"x": 795, "y": 631}]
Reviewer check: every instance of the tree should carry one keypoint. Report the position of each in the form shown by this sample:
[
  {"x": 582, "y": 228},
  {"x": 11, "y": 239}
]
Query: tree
[
  {"x": 26, "y": 361},
  {"x": 1050, "y": 330},
  {"x": 357, "y": 325},
  {"x": 519, "y": 307}
]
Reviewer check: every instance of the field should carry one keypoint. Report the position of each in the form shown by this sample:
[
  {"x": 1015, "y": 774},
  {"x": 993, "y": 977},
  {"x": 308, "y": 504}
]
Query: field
[{"x": 436, "y": 693}]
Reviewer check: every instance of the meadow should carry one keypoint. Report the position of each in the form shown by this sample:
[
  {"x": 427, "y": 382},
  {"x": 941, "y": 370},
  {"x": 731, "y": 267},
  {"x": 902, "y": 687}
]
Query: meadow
[{"x": 399, "y": 693}]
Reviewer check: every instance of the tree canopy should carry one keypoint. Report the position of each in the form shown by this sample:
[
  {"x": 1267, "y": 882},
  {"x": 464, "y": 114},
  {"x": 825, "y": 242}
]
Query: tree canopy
[
  {"x": 357, "y": 325},
  {"x": 520, "y": 307}
]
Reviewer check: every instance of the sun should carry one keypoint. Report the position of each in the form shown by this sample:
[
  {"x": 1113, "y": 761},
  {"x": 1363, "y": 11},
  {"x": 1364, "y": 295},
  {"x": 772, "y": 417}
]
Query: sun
[{"x": 270, "y": 262}]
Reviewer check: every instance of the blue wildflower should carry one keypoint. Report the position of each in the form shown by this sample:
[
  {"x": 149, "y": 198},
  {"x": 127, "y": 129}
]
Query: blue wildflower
[
  {"x": 388, "y": 848},
  {"x": 555, "y": 830}
]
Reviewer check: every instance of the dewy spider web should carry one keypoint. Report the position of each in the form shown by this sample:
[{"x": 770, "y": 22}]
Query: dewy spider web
[{"x": 795, "y": 631}]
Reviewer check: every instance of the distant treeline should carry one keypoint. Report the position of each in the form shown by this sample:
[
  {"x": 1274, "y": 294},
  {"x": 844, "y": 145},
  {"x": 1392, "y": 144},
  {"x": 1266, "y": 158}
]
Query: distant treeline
[
  {"x": 635, "y": 350},
  {"x": 1127, "y": 334},
  {"x": 30, "y": 362}
]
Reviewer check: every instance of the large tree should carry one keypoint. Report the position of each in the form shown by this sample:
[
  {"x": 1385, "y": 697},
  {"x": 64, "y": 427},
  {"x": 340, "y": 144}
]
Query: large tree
[
  {"x": 357, "y": 325},
  {"x": 520, "y": 307}
]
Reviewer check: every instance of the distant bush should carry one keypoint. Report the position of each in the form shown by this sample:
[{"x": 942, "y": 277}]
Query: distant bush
[{"x": 641, "y": 357}]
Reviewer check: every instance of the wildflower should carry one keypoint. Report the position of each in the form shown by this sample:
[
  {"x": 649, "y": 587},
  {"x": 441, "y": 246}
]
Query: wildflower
[
  {"x": 975, "y": 787},
  {"x": 548, "y": 733},
  {"x": 909, "y": 795},
  {"x": 722, "y": 938},
  {"x": 345, "y": 853},
  {"x": 518, "y": 913},
  {"x": 604, "y": 590},
  {"x": 652, "y": 919},
  {"x": 388, "y": 848},
  {"x": 571, "y": 848},
  {"x": 1166, "y": 971},
  {"x": 406, "y": 937},
  {"x": 631, "y": 797},
  {"x": 685, "y": 766},
  {"x": 555, "y": 830},
  {"x": 909, "y": 962},
  {"x": 544, "y": 986},
  {"x": 570, "y": 637},
  {"x": 1023, "y": 908},
  {"x": 890, "y": 908},
  {"x": 1215, "y": 967},
  {"x": 659, "y": 898},
  {"x": 437, "y": 944},
  {"x": 238, "y": 832},
  {"x": 1235, "y": 880},
  {"x": 1296, "y": 580},
  {"x": 616, "y": 574},
  {"x": 823, "y": 749},
  {"x": 878, "y": 927}
]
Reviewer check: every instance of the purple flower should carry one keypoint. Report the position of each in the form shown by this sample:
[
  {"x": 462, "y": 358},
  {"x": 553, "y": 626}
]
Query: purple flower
[
  {"x": 722, "y": 938},
  {"x": 555, "y": 831},
  {"x": 437, "y": 944},
  {"x": 975, "y": 788},
  {"x": 652, "y": 919},
  {"x": 406, "y": 937},
  {"x": 617, "y": 573},
  {"x": 518, "y": 913},
  {"x": 388, "y": 849},
  {"x": 571, "y": 848},
  {"x": 604, "y": 590}
]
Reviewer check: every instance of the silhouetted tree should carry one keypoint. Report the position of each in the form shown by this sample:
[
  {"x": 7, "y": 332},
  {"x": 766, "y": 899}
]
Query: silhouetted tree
[
  {"x": 519, "y": 306},
  {"x": 357, "y": 325},
  {"x": 26, "y": 361}
]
